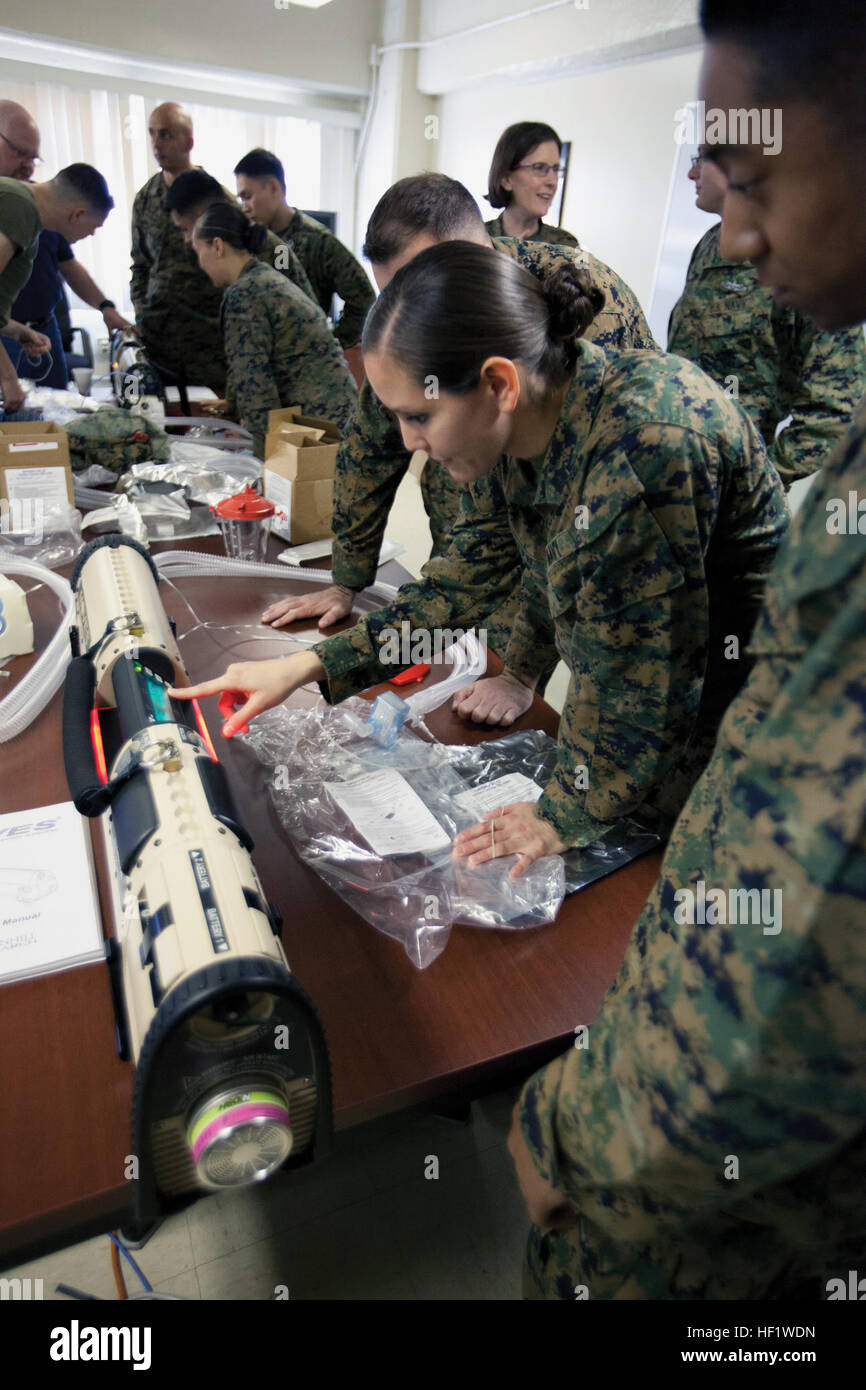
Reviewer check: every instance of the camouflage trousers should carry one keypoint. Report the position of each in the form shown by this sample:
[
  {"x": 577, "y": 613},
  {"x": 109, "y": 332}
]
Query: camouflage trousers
[
  {"x": 442, "y": 504},
  {"x": 733, "y": 1261}
]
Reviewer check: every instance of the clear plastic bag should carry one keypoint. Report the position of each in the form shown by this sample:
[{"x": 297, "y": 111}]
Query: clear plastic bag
[
  {"x": 122, "y": 514},
  {"x": 46, "y": 532},
  {"x": 413, "y": 897},
  {"x": 534, "y": 754},
  {"x": 154, "y": 516},
  {"x": 96, "y": 476},
  {"x": 58, "y": 405},
  {"x": 416, "y": 897},
  {"x": 208, "y": 475}
]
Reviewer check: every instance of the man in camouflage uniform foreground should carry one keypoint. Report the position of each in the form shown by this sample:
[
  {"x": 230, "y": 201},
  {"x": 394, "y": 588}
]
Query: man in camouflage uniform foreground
[
  {"x": 710, "y": 1141},
  {"x": 774, "y": 360}
]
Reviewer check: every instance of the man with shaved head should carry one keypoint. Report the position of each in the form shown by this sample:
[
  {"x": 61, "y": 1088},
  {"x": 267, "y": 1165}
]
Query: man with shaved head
[
  {"x": 176, "y": 308},
  {"x": 19, "y": 155},
  {"x": 19, "y": 142}
]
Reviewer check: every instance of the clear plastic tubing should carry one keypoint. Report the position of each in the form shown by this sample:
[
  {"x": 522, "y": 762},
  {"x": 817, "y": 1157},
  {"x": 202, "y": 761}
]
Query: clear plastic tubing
[
  {"x": 469, "y": 662},
  {"x": 33, "y": 692},
  {"x": 183, "y": 564}
]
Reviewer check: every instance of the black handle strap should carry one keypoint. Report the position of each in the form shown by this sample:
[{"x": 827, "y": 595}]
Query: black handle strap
[{"x": 89, "y": 794}]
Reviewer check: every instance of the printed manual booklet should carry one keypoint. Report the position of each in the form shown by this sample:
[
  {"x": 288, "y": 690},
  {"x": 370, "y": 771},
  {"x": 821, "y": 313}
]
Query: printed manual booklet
[{"x": 49, "y": 908}]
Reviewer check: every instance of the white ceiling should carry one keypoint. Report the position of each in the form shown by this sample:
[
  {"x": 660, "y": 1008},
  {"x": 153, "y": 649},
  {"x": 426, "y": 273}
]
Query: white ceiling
[{"x": 329, "y": 47}]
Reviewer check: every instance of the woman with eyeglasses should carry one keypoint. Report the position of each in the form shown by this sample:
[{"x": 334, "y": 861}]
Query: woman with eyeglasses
[{"x": 523, "y": 181}]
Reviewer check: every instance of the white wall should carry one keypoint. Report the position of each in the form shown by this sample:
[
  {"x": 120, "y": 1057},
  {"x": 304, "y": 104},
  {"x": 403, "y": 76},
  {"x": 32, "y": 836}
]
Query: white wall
[
  {"x": 330, "y": 46},
  {"x": 684, "y": 226},
  {"x": 396, "y": 142},
  {"x": 621, "y": 123},
  {"x": 560, "y": 42}
]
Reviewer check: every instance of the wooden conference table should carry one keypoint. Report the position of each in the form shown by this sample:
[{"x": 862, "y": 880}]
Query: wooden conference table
[{"x": 493, "y": 1007}]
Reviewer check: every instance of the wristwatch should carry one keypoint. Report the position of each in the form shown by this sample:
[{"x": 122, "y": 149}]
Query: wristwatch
[{"x": 106, "y": 304}]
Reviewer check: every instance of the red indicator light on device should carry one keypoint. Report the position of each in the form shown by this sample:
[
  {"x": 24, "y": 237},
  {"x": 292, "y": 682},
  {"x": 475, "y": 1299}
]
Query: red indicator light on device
[
  {"x": 203, "y": 730},
  {"x": 98, "y": 749}
]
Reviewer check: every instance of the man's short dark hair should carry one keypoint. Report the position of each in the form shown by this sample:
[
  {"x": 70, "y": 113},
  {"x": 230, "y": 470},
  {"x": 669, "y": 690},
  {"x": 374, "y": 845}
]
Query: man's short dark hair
[
  {"x": 191, "y": 190},
  {"x": 817, "y": 54},
  {"x": 431, "y": 203},
  {"x": 81, "y": 182},
  {"x": 261, "y": 164}
]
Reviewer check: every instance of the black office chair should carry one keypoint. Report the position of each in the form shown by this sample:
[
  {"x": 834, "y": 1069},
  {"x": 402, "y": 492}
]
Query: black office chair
[{"x": 84, "y": 358}]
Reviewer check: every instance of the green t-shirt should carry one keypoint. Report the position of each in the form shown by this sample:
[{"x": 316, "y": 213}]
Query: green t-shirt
[{"x": 20, "y": 222}]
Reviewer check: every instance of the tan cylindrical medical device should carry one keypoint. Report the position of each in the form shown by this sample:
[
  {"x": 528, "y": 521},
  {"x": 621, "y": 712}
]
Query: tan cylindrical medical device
[{"x": 232, "y": 1078}]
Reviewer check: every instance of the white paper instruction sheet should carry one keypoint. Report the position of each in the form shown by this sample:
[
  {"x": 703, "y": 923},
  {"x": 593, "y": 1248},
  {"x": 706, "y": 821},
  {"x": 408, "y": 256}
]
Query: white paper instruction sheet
[
  {"x": 503, "y": 792},
  {"x": 391, "y": 816}
]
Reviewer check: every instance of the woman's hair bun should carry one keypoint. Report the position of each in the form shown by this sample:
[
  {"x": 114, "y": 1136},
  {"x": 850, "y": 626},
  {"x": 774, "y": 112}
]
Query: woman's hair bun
[
  {"x": 573, "y": 300},
  {"x": 256, "y": 236}
]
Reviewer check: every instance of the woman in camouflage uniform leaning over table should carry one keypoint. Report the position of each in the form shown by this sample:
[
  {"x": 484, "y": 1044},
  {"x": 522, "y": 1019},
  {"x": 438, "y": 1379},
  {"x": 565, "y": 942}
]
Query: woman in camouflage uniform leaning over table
[
  {"x": 637, "y": 499},
  {"x": 278, "y": 344}
]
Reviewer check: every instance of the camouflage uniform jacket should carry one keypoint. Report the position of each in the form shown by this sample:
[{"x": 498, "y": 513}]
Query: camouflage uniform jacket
[
  {"x": 373, "y": 459},
  {"x": 176, "y": 305},
  {"x": 553, "y": 236},
  {"x": 332, "y": 270},
  {"x": 783, "y": 365},
  {"x": 733, "y": 1039},
  {"x": 281, "y": 352},
  {"x": 642, "y": 537}
]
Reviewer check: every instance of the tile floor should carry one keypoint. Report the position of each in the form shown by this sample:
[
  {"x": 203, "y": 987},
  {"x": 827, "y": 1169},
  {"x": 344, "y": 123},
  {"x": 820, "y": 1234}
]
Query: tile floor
[{"x": 364, "y": 1224}]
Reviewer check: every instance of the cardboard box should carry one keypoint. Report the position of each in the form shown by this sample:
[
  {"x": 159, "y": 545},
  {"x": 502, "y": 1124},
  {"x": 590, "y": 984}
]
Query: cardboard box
[
  {"x": 300, "y": 461},
  {"x": 34, "y": 462},
  {"x": 305, "y": 447},
  {"x": 292, "y": 418},
  {"x": 303, "y": 509}
]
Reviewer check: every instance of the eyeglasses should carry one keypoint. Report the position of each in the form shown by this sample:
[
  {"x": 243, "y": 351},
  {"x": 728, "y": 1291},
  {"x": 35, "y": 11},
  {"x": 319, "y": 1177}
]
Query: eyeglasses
[
  {"x": 22, "y": 154},
  {"x": 696, "y": 159},
  {"x": 541, "y": 171}
]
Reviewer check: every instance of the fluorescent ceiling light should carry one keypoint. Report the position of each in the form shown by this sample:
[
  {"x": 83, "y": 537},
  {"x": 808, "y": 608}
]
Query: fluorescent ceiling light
[{"x": 310, "y": 4}]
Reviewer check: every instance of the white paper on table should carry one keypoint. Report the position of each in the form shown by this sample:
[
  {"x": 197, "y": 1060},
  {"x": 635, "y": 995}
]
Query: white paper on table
[
  {"x": 48, "y": 484},
  {"x": 49, "y": 913},
  {"x": 317, "y": 550},
  {"x": 391, "y": 816},
  {"x": 504, "y": 791}
]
